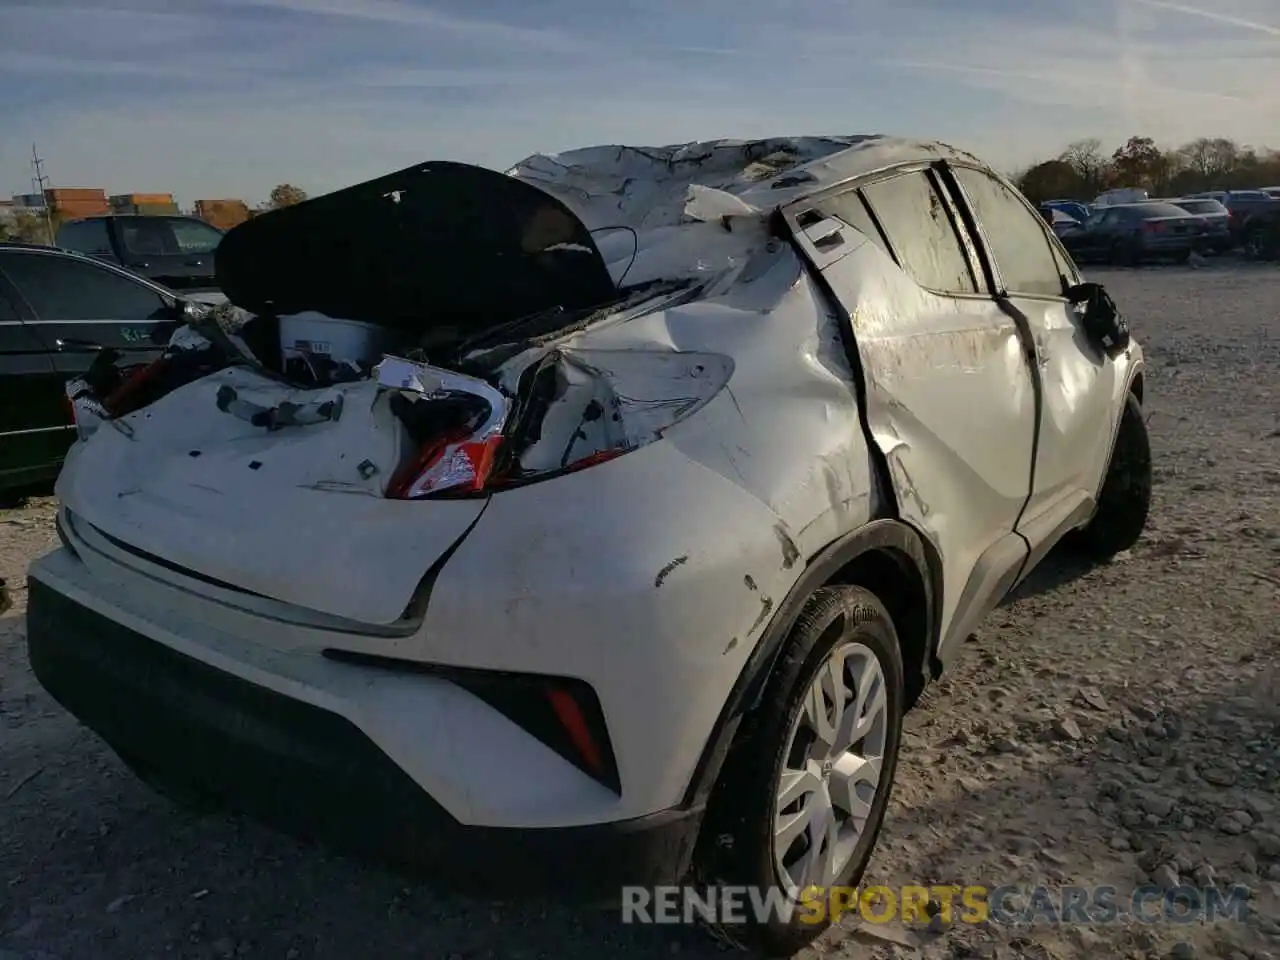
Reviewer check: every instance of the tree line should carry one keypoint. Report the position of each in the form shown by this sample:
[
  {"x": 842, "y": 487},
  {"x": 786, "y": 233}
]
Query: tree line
[
  {"x": 32, "y": 226},
  {"x": 1084, "y": 169}
]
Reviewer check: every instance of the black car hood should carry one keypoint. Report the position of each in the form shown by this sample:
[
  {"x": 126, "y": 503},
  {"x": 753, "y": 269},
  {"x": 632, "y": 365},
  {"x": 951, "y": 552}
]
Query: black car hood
[{"x": 436, "y": 245}]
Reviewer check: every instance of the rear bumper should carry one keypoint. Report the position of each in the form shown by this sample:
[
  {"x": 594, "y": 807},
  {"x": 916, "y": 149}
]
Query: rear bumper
[
  {"x": 1171, "y": 246},
  {"x": 310, "y": 772}
]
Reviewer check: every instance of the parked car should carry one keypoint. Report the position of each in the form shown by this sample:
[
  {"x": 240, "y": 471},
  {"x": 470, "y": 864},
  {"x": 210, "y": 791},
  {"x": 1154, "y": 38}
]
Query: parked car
[
  {"x": 174, "y": 251},
  {"x": 1262, "y": 234},
  {"x": 58, "y": 313},
  {"x": 1061, "y": 222},
  {"x": 1121, "y": 195},
  {"x": 1132, "y": 233},
  {"x": 1243, "y": 206},
  {"x": 1072, "y": 208},
  {"x": 1216, "y": 217},
  {"x": 631, "y": 583},
  {"x": 1272, "y": 192}
]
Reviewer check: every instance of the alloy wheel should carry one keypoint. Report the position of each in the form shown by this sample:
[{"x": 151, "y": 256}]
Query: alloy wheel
[{"x": 831, "y": 771}]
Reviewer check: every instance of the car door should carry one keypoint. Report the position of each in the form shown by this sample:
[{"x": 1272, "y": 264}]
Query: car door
[
  {"x": 1091, "y": 242},
  {"x": 949, "y": 400},
  {"x": 35, "y": 425},
  {"x": 78, "y": 307},
  {"x": 1077, "y": 382}
]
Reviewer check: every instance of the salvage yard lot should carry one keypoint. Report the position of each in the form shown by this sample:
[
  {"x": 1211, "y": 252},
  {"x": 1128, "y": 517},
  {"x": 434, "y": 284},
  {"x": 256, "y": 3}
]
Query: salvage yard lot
[{"x": 1107, "y": 726}]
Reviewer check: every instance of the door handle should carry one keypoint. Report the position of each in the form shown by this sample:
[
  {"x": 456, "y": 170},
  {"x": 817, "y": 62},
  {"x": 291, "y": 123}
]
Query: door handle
[
  {"x": 193, "y": 263},
  {"x": 78, "y": 344}
]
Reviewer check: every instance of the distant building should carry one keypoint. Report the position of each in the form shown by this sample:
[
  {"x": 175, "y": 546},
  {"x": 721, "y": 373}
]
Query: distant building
[
  {"x": 74, "y": 202},
  {"x": 146, "y": 204},
  {"x": 223, "y": 214}
]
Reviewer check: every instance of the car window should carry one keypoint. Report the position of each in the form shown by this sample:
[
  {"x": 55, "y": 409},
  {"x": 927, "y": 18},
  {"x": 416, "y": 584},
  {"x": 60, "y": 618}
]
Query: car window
[
  {"x": 850, "y": 208},
  {"x": 87, "y": 236},
  {"x": 64, "y": 288},
  {"x": 918, "y": 225},
  {"x": 8, "y": 312},
  {"x": 1017, "y": 237},
  {"x": 1065, "y": 267},
  {"x": 148, "y": 237},
  {"x": 192, "y": 236},
  {"x": 1201, "y": 206},
  {"x": 1149, "y": 210}
]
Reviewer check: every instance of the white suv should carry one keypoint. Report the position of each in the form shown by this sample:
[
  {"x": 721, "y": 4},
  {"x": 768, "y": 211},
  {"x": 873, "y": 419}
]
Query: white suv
[{"x": 651, "y": 489}]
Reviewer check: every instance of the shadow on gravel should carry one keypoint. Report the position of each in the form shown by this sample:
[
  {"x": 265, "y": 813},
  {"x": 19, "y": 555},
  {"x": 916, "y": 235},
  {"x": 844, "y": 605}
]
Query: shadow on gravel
[
  {"x": 1061, "y": 567},
  {"x": 15, "y": 498}
]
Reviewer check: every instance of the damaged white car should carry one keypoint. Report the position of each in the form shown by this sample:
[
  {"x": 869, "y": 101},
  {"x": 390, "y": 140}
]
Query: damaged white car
[{"x": 594, "y": 522}]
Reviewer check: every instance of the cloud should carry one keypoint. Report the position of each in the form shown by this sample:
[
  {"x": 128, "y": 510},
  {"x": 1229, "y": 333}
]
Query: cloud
[
  {"x": 403, "y": 14},
  {"x": 1213, "y": 15},
  {"x": 232, "y": 96}
]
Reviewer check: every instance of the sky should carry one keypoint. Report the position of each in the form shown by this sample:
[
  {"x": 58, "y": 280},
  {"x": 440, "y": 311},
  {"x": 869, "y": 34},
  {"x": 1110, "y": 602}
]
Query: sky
[{"x": 227, "y": 98}]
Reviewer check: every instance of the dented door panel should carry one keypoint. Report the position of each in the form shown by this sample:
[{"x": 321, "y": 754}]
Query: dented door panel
[
  {"x": 951, "y": 405},
  {"x": 1076, "y": 419}
]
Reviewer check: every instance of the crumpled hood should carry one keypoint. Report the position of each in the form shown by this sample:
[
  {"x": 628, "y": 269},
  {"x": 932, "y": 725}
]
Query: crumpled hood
[{"x": 438, "y": 244}]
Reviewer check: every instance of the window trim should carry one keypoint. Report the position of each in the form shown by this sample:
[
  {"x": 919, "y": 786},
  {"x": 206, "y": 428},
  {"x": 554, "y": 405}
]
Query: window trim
[
  {"x": 167, "y": 297},
  {"x": 967, "y": 249},
  {"x": 999, "y": 289}
]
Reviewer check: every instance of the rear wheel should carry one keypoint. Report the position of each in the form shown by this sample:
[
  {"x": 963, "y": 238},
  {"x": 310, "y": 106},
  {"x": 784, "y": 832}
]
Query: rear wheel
[
  {"x": 1125, "y": 500},
  {"x": 1259, "y": 244},
  {"x": 1124, "y": 253},
  {"x": 803, "y": 793}
]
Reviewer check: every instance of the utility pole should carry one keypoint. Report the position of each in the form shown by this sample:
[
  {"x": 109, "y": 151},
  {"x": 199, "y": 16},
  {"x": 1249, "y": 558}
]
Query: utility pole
[{"x": 41, "y": 182}]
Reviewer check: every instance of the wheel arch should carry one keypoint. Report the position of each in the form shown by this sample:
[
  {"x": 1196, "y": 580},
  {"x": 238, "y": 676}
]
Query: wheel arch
[{"x": 889, "y": 558}]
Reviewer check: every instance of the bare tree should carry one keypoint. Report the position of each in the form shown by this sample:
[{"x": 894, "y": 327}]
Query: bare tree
[
  {"x": 1086, "y": 158},
  {"x": 286, "y": 195}
]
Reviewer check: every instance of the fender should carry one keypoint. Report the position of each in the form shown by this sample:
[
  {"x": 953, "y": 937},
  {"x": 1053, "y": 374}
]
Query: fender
[
  {"x": 1135, "y": 372},
  {"x": 822, "y": 568}
]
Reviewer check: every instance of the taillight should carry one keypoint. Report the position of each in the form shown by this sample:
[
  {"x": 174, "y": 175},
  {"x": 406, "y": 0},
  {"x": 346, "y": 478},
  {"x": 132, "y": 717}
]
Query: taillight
[
  {"x": 454, "y": 463},
  {"x": 135, "y": 378},
  {"x": 563, "y": 713},
  {"x": 1153, "y": 227}
]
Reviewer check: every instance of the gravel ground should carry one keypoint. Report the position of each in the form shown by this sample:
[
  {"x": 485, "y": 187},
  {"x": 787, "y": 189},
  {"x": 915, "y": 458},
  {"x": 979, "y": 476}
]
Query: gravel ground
[{"x": 1114, "y": 725}]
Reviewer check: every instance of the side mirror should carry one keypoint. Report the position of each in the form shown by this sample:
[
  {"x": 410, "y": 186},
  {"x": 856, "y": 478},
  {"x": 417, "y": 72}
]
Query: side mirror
[{"x": 1101, "y": 319}]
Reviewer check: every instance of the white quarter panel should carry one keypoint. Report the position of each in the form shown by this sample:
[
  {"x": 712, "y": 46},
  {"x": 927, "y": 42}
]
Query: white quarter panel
[{"x": 951, "y": 405}]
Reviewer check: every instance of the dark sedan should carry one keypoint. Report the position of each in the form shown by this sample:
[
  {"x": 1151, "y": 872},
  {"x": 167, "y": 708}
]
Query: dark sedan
[
  {"x": 59, "y": 312},
  {"x": 1215, "y": 216},
  {"x": 1131, "y": 233}
]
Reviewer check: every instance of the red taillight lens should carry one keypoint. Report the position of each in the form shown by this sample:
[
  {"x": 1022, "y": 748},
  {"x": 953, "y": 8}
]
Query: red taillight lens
[
  {"x": 564, "y": 713},
  {"x": 575, "y": 724},
  {"x": 1154, "y": 227},
  {"x": 136, "y": 377},
  {"x": 453, "y": 463}
]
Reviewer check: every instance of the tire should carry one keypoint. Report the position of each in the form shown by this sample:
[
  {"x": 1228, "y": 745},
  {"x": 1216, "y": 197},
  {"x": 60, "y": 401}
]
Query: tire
[
  {"x": 1125, "y": 500},
  {"x": 1258, "y": 246},
  {"x": 1125, "y": 253},
  {"x": 736, "y": 846},
  {"x": 1182, "y": 257}
]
